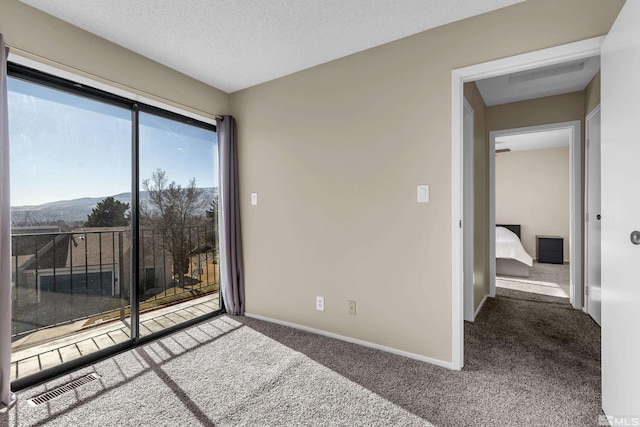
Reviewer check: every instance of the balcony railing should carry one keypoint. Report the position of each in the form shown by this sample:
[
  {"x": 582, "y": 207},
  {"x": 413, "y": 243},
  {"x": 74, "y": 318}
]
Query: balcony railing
[{"x": 85, "y": 275}]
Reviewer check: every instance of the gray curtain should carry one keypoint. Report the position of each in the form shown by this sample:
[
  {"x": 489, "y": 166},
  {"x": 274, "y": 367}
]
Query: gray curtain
[
  {"x": 231, "y": 266},
  {"x": 7, "y": 399}
]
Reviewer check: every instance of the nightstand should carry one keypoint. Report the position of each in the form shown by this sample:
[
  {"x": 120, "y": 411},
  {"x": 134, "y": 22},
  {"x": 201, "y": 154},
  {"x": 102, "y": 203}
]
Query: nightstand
[{"x": 549, "y": 249}]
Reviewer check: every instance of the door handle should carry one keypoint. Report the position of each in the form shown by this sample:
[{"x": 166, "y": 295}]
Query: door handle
[
  {"x": 598, "y": 217},
  {"x": 635, "y": 237}
]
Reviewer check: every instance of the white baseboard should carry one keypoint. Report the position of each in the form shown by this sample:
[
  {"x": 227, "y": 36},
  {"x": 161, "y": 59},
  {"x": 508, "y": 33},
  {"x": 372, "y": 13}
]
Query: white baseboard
[
  {"x": 480, "y": 306},
  {"x": 407, "y": 354}
]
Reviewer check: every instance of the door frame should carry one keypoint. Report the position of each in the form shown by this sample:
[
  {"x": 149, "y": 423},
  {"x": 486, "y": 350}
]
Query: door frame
[
  {"x": 585, "y": 273},
  {"x": 540, "y": 58},
  {"x": 468, "y": 214},
  {"x": 575, "y": 198}
]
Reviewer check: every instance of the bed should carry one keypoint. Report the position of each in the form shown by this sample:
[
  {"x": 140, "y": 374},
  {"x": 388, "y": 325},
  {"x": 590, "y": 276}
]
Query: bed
[{"x": 511, "y": 258}]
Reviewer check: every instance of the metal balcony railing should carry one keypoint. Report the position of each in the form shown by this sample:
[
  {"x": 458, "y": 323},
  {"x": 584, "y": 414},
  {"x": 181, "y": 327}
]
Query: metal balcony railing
[{"x": 85, "y": 275}]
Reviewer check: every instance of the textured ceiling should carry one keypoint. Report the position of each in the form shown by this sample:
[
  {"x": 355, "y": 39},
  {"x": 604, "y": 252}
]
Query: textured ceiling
[{"x": 234, "y": 44}]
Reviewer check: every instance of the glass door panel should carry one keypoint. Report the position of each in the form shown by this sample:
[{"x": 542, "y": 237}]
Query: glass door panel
[
  {"x": 71, "y": 239},
  {"x": 178, "y": 223}
]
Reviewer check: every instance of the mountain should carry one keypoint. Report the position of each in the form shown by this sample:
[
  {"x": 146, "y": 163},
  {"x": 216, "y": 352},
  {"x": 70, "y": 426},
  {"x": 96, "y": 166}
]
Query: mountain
[{"x": 77, "y": 210}]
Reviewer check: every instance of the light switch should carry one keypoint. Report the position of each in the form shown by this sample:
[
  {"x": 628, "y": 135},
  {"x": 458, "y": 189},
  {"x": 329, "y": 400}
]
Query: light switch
[
  {"x": 423, "y": 193},
  {"x": 254, "y": 199}
]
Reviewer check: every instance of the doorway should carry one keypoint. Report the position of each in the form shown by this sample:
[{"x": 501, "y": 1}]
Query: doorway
[
  {"x": 528, "y": 61},
  {"x": 575, "y": 173}
]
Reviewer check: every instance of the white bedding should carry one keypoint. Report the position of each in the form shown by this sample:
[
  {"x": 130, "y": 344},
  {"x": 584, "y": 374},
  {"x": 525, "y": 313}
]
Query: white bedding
[{"x": 508, "y": 245}]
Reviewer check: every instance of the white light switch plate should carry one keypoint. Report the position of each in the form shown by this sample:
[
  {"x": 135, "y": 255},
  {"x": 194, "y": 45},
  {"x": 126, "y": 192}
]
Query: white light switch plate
[
  {"x": 423, "y": 193},
  {"x": 254, "y": 199}
]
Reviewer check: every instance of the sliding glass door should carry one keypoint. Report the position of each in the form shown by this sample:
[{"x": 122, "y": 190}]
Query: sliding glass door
[{"x": 114, "y": 223}]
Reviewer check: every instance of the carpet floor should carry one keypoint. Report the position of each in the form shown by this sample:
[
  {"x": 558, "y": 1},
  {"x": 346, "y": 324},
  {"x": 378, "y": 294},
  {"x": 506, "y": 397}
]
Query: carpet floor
[{"x": 529, "y": 361}]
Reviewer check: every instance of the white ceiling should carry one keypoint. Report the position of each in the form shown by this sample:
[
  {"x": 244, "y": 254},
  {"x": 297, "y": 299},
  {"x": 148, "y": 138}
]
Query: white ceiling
[
  {"x": 234, "y": 44},
  {"x": 535, "y": 140},
  {"x": 552, "y": 80}
]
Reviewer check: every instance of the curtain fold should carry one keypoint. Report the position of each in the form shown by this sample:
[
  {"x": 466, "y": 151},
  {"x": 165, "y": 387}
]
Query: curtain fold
[
  {"x": 231, "y": 263},
  {"x": 7, "y": 399}
]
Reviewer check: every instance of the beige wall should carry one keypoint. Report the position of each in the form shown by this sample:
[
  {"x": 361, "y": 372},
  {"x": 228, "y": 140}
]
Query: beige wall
[
  {"x": 535, "y": 112},
  {"x": 335, "y": 153},
  {"x": 34, "y": 34},
  {"x": 481, "y": 194},
  {"x": 592, "y": 94},
  {"x": 532, "y": 189}
]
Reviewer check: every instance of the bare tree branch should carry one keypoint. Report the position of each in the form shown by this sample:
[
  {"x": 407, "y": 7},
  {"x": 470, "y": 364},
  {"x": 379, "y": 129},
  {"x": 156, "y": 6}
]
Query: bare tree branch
[{"x": 171, "y": 210}]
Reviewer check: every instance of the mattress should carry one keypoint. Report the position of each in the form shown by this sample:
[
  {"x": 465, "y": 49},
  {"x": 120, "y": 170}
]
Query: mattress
[{"x": 511, "y": 257}]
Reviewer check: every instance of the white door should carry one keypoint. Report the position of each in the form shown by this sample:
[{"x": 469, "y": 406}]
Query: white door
[
  {"x": 620, "y": 151},
  {"x": 593, "y": 217},
  {"x": 467, "y": 218}
]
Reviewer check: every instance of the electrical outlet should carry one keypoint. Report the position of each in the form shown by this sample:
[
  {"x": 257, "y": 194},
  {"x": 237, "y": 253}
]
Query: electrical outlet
[
  {"x": 352, "y": 307},
  {"x": 320, "y": 303}
]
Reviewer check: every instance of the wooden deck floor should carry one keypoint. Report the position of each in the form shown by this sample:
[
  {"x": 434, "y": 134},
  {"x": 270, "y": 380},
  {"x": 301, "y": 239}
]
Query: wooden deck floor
[{"x": 32, "y": 359}]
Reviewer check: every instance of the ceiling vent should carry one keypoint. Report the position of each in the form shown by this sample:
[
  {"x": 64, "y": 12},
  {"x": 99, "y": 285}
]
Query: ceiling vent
[{"x": 541, "y": 73}]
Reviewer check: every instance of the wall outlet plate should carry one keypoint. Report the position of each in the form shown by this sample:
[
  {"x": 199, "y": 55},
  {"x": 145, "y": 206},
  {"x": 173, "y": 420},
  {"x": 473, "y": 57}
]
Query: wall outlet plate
[
  {"x": 352, "y": 307},
  {"x": 320, "y": 303}
]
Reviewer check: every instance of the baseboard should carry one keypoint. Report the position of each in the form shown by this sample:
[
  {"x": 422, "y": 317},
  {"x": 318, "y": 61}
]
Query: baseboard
[
  {"x": 480, "y": 306},
  {"x": 407, "y": 354}
]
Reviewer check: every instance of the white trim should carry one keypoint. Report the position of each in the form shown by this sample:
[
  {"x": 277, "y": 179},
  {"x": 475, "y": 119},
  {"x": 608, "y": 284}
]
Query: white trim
[
  {"x": 575, "y": 219},
  {"x": 407, "y": 354},
  {"x": 468, "y": 211},
  {"x": 480, "y": 306},
  {"x": 111, "y": 88},
  {"x": 457, "y": 282},
  {"x": 585, "y": 265},
  {"x": 492, "y": 214},
  {"x": 589, "y": 116},
  {"x": 526, "y": 61}
]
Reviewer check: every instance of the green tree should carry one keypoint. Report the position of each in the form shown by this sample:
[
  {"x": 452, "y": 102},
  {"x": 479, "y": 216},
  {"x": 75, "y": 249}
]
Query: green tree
[
  {"x": 172, "y": 211},
  {"x": 109, "y": 213}
]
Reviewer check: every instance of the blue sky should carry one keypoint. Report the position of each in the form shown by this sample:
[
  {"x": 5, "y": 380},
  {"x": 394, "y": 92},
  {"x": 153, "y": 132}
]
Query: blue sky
[{"x": 66, "y": 147}]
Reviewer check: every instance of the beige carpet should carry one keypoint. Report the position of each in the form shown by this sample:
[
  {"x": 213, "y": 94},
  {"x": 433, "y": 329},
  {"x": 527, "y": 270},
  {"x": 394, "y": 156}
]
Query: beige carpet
[
  {"x": 544, "y": 279},
  {"x": 218, "y": 373},
  {"x": 530, "y": 360}
]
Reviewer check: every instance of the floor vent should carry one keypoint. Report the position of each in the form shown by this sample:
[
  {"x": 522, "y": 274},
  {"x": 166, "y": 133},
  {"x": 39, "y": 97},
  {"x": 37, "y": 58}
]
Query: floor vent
[{"x": 59, "y": 391}]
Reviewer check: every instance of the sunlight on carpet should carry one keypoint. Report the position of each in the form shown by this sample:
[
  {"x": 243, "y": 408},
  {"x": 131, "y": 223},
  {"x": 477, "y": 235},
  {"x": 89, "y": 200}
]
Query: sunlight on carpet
[
  {"x": 544, "y": 279},
  {"x": 217, "y": 373}
]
